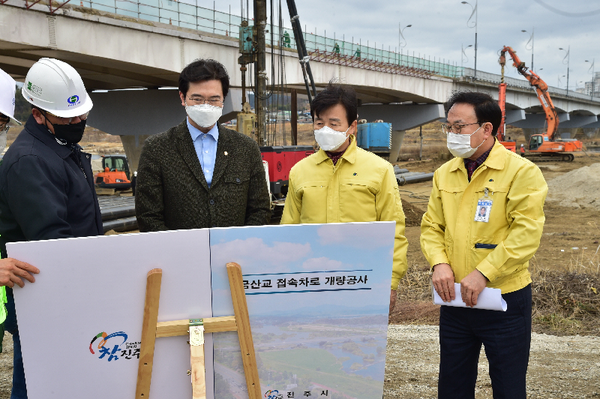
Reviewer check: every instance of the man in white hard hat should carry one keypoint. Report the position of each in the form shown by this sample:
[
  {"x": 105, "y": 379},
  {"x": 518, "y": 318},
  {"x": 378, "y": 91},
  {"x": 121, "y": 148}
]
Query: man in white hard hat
[
  {"x": 46, "y": 182},
  {"x": 7, "y": 106},
  {"x": 12, "y": 271}
]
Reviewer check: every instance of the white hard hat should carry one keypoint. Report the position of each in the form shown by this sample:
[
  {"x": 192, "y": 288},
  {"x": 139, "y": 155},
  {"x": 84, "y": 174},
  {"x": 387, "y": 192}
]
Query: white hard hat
[
  {"x": 7, "y": 95},
  {"x": 56, "y": 87}
]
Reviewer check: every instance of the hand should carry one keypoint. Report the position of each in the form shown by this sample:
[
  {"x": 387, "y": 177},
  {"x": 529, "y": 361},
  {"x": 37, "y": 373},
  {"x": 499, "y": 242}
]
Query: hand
[
  {"x": 443, "y": 281},
  {"x": 12, "y": 272},
  {"x": 471, "y": 286},
  {"x": 393, "y": 296}
]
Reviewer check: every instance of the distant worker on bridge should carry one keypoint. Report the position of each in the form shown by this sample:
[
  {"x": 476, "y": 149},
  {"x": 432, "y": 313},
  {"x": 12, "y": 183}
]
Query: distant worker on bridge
[
  {"x": 287, "y": 41},
  {"x": 46, "y": 182},
  {"x": 483, "y": 223},
  {"x": 343, "y": 183},
  {"x": 200, "y": 174}
]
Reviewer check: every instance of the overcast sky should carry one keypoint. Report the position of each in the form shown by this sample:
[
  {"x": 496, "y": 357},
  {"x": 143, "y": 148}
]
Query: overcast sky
[{"x": 439, "y": 29}]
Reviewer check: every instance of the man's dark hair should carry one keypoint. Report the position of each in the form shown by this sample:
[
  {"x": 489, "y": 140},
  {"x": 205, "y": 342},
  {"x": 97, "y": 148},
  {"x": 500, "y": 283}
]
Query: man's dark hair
[
  {"x": 201, "y": 70},
  {"x": 486, "y": 108},
  {"x": 332, "y": 95}
]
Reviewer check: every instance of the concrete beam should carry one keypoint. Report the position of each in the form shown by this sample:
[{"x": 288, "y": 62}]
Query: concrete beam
[
  {"x": 578, "y": 121},
  {"x": 139, "y": 112},
  {"x": 594, "y": 125},
  {"x": 136, "y": 114},
  {"x": 514, "y": 115},
  {"x": 536, "y": 121},
  {"x": 402, "y": 117}
]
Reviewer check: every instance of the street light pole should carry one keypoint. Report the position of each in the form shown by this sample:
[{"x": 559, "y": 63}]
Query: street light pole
[
  {"x": 401, "y": 36},
  {"x": 475, "y": 26},
  {"x": 592, "y": 68},
  {"x": 528, "y": 44},
  {"x": 568, "y": 58},
  {"x": 463, "y": 55}
]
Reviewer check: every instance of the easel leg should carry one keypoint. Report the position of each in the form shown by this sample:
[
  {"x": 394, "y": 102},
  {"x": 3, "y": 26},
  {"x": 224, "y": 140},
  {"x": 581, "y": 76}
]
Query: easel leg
[
  {"x": 198, "y": 372},
  {"x": 153, "y": 283},
  {"x": 238, "y": 296}
]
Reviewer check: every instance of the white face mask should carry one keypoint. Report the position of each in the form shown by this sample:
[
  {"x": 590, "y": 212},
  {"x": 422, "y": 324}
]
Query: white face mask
[
  {"x": 204, "y": 115},
  {"x": 460, "y": 144},
  {"x": 329, "y": 139}
]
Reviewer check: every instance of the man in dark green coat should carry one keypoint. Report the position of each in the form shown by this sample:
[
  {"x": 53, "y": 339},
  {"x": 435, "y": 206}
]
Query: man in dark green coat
[{"x": 199, "y": 174}]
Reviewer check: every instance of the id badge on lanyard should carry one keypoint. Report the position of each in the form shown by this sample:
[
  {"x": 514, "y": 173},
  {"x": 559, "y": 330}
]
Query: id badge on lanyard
[{"x": 484, "y": 207}]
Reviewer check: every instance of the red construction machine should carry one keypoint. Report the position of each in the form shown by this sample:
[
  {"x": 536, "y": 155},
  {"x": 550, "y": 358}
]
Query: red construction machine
[
  {"x": 541, "y": 147},
  {"x": 510, "y": 145}
]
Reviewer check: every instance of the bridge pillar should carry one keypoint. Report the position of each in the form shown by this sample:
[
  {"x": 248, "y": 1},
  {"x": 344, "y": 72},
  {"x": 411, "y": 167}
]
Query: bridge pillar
[
  {"x": 133, "y": 149},
  {"x": 397, "y": 139}
]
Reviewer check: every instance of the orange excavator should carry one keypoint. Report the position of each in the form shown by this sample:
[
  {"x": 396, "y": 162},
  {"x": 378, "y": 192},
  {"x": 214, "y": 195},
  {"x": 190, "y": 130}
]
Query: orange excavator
[
  {"x": 541, "y": 147},
  {"x": 115, "y": 173}
]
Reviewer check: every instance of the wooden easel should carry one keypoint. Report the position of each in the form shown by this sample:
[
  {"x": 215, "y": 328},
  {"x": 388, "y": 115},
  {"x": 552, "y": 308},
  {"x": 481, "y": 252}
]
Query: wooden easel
[{"x": 240, "y": 322}]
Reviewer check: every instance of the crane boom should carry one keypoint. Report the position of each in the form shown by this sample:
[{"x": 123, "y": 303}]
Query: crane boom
[
  {"x": 541, "y": 146},
  {"x": 303, "y": 56},
  {"x": 541, "y": 89}
]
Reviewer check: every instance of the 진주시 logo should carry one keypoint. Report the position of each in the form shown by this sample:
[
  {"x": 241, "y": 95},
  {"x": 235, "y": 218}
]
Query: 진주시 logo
[{"x": 73, "y": 100}]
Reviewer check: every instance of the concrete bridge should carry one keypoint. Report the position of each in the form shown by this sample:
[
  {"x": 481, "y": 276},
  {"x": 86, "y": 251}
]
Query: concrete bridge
[{"x": 132, "y": 63}]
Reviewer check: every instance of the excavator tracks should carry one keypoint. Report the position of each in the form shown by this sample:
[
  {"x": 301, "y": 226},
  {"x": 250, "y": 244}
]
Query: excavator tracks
[{"x": 552, "y": 157}]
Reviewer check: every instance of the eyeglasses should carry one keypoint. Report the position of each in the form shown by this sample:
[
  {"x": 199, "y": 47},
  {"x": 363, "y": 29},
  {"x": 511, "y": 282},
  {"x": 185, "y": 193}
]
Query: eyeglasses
[
  {"x": 68, "y": 121},
  {"x": 456, "y": 128},
  {"x": 214, "y": 101}
]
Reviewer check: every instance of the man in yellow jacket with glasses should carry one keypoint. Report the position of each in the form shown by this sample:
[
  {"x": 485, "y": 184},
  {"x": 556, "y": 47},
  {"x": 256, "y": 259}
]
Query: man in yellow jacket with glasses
[
  {"x": 483, "y": 223},
  {"x": 343, "y": 183}
]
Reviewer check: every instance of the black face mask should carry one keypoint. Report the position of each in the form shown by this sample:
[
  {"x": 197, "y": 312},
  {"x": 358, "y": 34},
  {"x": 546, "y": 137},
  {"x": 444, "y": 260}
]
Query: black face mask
[{"x": 72, "y": 133}]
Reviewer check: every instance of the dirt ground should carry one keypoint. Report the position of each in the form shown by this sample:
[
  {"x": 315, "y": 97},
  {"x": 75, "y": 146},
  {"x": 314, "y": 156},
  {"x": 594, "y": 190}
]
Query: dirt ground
[{"x": 560, "y": 366}]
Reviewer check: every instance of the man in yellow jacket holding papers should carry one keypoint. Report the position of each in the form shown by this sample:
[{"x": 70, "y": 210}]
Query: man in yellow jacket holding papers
[{"x": 483, "y": 223}]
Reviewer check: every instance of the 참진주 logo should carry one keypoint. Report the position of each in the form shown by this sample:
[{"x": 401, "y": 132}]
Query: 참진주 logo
[
  {"x": 273, "y": 394},
  {"x": 114, "y": 346},
  {"x": 73, "y": 100}
]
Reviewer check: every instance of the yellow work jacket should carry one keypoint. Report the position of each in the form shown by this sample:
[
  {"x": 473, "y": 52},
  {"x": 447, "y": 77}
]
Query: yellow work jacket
[
  {"x": 500, "y": 248},
  {"x": 361, "y": 187}
]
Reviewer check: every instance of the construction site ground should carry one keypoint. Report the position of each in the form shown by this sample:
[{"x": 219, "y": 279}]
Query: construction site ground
[{"x": 565, "y": 353}]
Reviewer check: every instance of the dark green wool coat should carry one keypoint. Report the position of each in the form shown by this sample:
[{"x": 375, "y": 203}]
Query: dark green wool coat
[{"x": 172, "y": 193}]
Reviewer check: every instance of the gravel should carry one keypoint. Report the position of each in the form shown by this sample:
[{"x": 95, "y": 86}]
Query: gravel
[{"x": 559, "y": 367}]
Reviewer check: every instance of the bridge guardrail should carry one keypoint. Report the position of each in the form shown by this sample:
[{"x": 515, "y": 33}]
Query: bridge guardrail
[
  {"x": 189, "y": 15},
  {"x": 521, "y": 83}
]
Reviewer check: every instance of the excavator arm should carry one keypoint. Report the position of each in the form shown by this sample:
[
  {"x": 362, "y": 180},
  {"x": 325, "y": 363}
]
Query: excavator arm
[{"x": 541, "y": 89}]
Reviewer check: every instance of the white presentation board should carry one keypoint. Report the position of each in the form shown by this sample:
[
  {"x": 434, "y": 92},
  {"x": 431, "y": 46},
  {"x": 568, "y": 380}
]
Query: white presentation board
[{"x": 317, "y": 296}]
